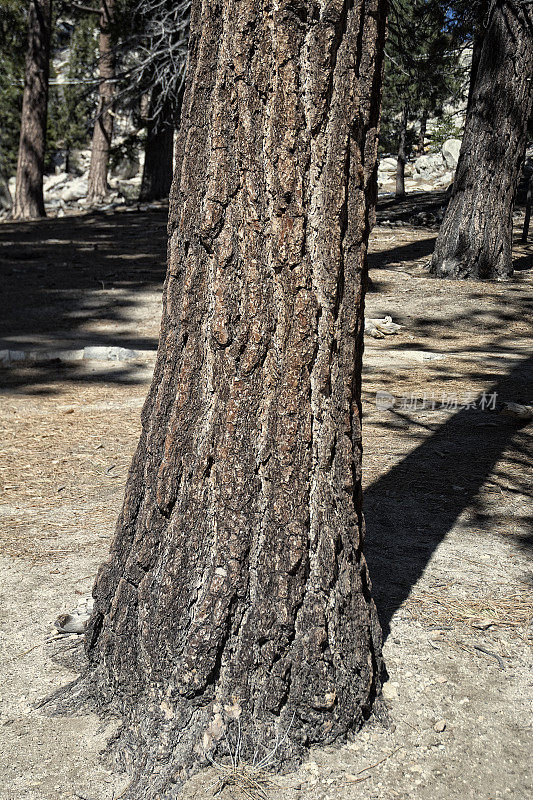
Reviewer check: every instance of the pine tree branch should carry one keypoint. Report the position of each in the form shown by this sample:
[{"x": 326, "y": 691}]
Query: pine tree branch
[{"x": 86, "y": 9}]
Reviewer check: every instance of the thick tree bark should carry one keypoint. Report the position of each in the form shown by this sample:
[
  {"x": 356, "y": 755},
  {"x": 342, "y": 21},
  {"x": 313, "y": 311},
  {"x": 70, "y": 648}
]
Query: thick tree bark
[
  {"x": 158, "y": 157},
  {"x": 476, "y": 235},
  {"x": 400, "y": 165},
  {"x": 236, "y": 594},
  {"x": 29, "y": 201},
  {"x": 103, "y": 126}
]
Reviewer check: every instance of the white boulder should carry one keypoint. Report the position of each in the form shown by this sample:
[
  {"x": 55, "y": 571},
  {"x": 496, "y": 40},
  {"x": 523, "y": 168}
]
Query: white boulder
[
  {"x": 429, "y": 166},
  {"x": 80, "y": 159},
  {"x": 129, "y": 189},
  {"x": 450, "y": 152},
  {"x": 53, "y": 182},
  {"x": 387, "y": 164},
  {"x": 74, "y": 190},
  {"x": 445, "y": 179}
]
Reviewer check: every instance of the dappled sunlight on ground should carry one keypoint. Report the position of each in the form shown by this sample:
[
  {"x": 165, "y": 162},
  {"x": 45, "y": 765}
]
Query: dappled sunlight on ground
[{"x": 446, "y": 503}]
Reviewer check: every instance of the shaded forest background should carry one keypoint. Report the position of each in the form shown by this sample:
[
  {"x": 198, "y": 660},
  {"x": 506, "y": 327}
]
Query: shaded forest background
[{"x": 130, "y": 80}]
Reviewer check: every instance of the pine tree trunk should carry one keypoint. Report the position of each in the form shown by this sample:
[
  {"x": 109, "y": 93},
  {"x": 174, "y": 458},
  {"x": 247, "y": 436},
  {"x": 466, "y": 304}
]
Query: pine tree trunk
[
  {"x": 236, "y": 588},
  {"x": 529, "y": 203},
  {"x": 29, "y": 200},
  {"x": 400, "y": 166},
  {"x": 476, "y": 235},
  {"x": 103, "y": 126},
  {"x": 158, "y": 157},
  {"x": 422, "y": 133}
]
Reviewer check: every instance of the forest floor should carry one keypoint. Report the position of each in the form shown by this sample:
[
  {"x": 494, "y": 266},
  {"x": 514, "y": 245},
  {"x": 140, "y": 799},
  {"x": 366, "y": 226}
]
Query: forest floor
[{"x": 446, "y": 503}]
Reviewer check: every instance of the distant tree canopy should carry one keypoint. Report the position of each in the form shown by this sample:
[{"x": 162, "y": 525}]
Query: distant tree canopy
[
  {"x": 423, "y": 68},
  {"x": 427, "y": 75},
  {"x": 150, "y": 43},
  {"x": 72, "y": 87},
  {"x": 424, "y": 71},
  {"x": 152, "y": 52}
]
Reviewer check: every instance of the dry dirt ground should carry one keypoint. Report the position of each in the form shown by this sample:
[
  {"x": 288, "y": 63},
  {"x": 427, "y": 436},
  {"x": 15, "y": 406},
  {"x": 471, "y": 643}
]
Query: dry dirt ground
[{"x": 446, "y": 504}]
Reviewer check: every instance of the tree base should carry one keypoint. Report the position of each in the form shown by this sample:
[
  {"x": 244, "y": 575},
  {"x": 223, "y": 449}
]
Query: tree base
[
  {"x": 235, "y": 610},
  {"x": 28, "y": 214},
  {"x": 459, "y": 269},
  {"x": 161, "y": 759},
  {"x": 164, "y": 741},
  {"x": 95, "y": 198}
]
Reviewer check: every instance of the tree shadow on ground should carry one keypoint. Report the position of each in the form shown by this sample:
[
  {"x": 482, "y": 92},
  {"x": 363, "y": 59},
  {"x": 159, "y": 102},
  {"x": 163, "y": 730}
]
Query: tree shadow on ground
[
  {"x": 394, "y": 256},
  {"x": 80, "y": 281},
  {"x": 84, "y": 281},
  {"x": 408, "y": 210},
  {"x": 411, "y": 508},
  {"x": 389, "y": 209},
  {"x": 525, "y": 261}
]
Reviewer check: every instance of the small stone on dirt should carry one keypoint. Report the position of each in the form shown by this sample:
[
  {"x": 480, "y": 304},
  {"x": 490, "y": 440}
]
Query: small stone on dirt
[
  {"x": 389, "y": 692},
  {"x": 439, "y": 726}
]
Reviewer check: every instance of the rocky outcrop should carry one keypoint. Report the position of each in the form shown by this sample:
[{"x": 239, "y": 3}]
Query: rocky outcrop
[
  {"x": 74, "y": 190},
  {"x": 431, "y": 171},
  {"x": 429, "y": 167}
]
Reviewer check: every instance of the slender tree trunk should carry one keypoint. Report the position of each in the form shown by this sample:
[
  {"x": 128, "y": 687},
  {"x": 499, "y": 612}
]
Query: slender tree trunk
[
  {"x": 29, "y": 201},
  {"x": 475, "y": 239},
  {"x": 400, "y": 167},
  {"x": 158, "y": 156},
  {"x": 6, "y": 201},
  {"x": 422, "y": 132},
  {"x": 236, "y": 595},
  {"x": 103, "y": 126},
  {"x": 529, "y": 203}
]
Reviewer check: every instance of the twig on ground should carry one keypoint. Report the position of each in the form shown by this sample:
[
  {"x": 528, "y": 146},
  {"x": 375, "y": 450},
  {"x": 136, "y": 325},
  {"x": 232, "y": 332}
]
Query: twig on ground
[
  {"x": 372, "y": 766},
  {"x": 19, "y": 655},
  {"x": 498, "y": 658},
  {"x": 351, "y": 781},
  {"x": 381, "y": 760}
]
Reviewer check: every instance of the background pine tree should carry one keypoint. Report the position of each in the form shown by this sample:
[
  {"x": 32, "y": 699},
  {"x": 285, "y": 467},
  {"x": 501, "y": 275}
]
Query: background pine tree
[
  {"x": 423, "y": 69},
  {"x": 73, "y": 98},
  {"x": 12, "y": 51}
]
